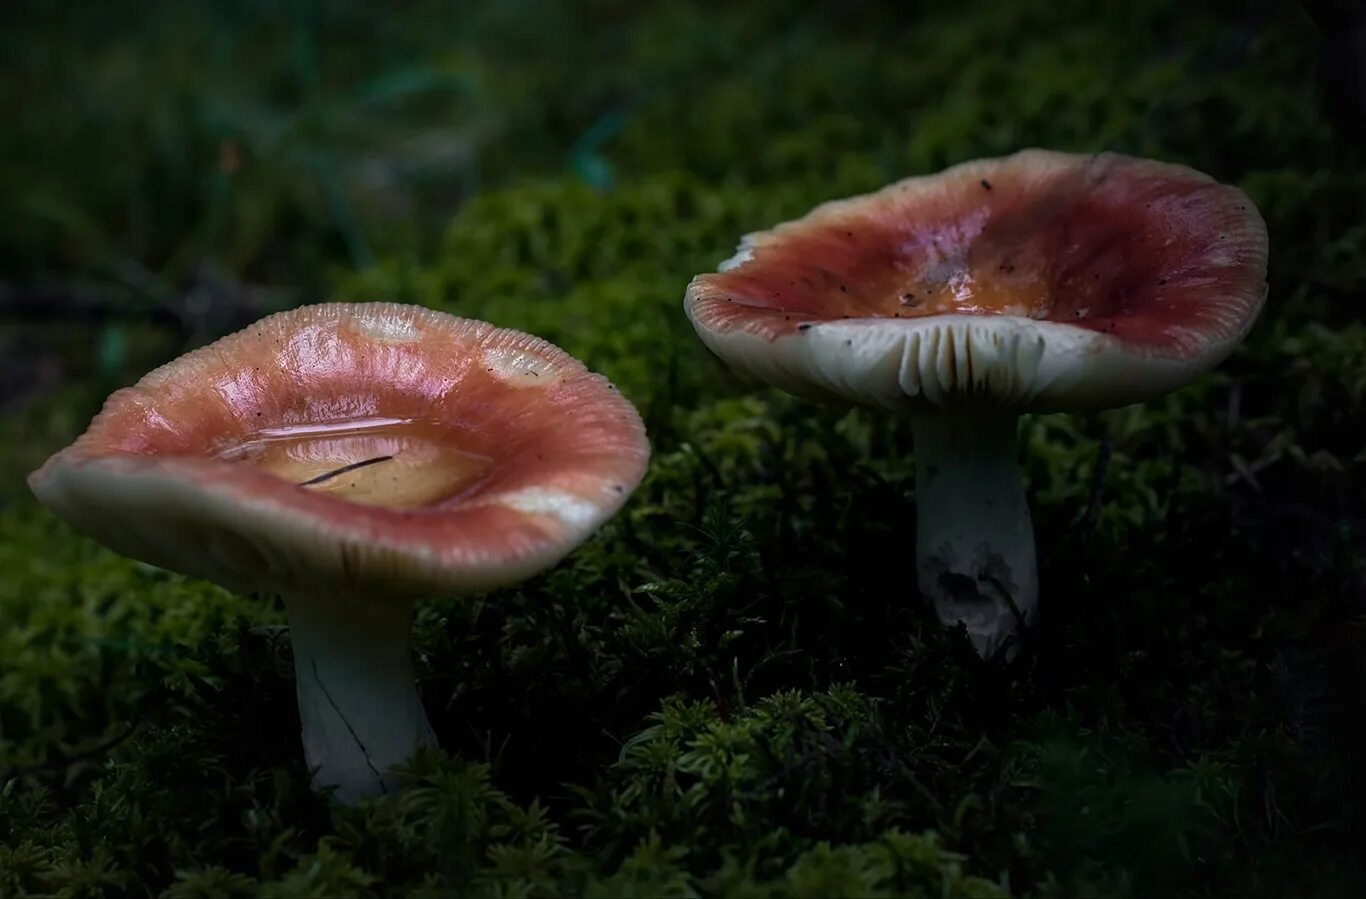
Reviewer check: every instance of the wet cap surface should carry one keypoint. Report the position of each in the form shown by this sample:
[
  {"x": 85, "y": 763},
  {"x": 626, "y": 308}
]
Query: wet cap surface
[
  {"x": 354, "y": 444},
  {"x": 1040, "y": 280}
]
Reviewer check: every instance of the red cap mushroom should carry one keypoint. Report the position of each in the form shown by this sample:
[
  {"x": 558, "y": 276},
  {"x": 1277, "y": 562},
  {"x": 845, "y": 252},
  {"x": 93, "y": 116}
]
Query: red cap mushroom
[
  {"x": 354, "y": 458},
  {"x": 1041, "y": 281}
]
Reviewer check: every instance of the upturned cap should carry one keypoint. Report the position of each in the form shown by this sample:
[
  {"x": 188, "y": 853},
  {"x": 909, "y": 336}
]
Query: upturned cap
[
  {"x": 1041, "y": 281},
  {"x": 377, "y": 445}
]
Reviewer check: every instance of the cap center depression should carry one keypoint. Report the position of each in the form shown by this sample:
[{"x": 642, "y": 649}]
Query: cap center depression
[{"x": 393, "y": 462}]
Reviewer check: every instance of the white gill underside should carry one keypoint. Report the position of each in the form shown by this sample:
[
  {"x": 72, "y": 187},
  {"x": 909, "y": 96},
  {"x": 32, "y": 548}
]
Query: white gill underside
[{"x": 1006, "y": 361}]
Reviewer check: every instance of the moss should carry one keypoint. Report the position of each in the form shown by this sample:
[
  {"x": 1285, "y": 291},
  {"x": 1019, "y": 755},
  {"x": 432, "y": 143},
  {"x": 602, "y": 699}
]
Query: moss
[{"x": 731, "y": 689}]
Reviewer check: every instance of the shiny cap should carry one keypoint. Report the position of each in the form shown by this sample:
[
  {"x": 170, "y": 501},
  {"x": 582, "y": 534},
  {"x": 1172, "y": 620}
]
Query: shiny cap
[
  {"x": 374, "y": 445},
  {"x": 1041, "y": 281}
]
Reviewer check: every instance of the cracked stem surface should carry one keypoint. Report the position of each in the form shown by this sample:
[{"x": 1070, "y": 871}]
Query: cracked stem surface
[
  {"x": 975, "y": 559},
  {"x": 359, "y": 709}
]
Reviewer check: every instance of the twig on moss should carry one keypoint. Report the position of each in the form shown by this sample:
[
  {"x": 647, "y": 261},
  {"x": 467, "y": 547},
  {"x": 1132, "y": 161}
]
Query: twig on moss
[
  {"x": 66, "y": 761},
  {"x": 1092, "y": 516}
]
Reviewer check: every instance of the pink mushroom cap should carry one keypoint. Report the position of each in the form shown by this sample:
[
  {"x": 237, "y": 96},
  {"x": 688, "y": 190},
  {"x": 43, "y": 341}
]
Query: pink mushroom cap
[
  {"x": 1040, "y": 281},
  {"x": 341, "y": 444}
]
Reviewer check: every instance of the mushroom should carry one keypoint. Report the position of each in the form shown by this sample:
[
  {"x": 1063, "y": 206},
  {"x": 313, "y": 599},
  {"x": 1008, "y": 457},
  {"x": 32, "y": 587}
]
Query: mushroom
[
  {"x": 354, "y": 458},
  {"x": 1036, "y": 282}
]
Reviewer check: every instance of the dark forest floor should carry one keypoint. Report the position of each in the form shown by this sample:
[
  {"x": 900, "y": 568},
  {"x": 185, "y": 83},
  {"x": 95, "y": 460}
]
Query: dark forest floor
[{"x": 732, "y": 688}]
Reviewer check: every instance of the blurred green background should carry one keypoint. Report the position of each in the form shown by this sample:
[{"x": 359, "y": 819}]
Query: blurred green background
[{"x": 731, "y": 690}]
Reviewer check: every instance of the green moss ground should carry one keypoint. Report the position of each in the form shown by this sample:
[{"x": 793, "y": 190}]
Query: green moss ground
[{"x": 731, "y": 689}]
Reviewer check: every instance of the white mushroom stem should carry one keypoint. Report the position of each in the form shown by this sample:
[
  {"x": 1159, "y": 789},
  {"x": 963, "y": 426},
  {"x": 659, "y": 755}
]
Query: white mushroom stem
[
  {"x": 974, "y": 541},
  {"x": 358, "y": 704}
]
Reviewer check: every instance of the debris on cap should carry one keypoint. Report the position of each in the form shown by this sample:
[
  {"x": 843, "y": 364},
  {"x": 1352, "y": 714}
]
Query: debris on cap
[
  {"x": 1038, "y": 281},
  {"x": 340, "y": 443}
]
